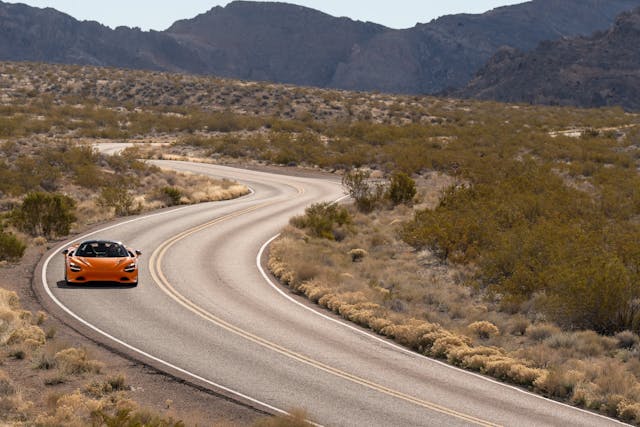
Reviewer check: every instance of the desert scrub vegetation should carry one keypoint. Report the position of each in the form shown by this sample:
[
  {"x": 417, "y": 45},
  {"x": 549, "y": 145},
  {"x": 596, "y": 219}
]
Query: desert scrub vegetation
[
  {"x": 437, "y": 307},
  {"x": 50, "y": 187}
]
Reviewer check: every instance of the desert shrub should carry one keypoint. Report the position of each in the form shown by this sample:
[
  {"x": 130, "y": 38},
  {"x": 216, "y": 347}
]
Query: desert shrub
[
  {"x": 518, "y": 325},
  {"x": 44, "y": 214},
  {"x": 558, "y": 382},
  {"x": 9, "y": 299},
  {"x": 74, "y": 361},
  {"x": 365, "y": 193},
  {"x": 118, "y": 197},
  {"x": 534, "y": 237},
  {"x": 566, "y": 340},
  {"x": 484, "y": 329},
  {"x": 30, "y": 335},
  {"x": 357, "y": 254},
  {"x": 44, "y": 358},
  {"x": 322, "y": 219},
  {"x": 402, "y": 189},
  {"x": 111, "y": 384},
  {"x": 118, "y": 382},
  {"x": 55, "y": 378},
  {"x": 11, "y": 247},
  {"x": 73, "y": 409},
  {"x": 629, "y": 412},
  {"x": 172, "y": 195},
  {"x": 542, "y": 331}
]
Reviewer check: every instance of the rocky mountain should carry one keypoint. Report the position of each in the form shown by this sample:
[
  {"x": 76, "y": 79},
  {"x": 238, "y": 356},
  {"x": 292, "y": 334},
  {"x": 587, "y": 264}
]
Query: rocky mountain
[
  {"x": 272, "y": 41},
  {"x": 596, "y": 71},
  {"x": 285, "y": 43},
  {"x": 447, "y": 52},
  {"x": 46, "y": 35}
]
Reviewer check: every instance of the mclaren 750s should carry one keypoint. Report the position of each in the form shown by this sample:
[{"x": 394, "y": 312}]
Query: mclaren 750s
[{"x": 101, "y": 261}]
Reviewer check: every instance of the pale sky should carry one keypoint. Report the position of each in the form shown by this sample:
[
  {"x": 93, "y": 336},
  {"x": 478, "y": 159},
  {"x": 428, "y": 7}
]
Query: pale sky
[{"x": 160, "y": 14}]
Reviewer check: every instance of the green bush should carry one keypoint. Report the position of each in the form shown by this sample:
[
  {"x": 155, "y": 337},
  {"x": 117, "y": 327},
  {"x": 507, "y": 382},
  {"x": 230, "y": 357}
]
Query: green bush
[
  {"x": 45, "y": 214},
  {"x": 322, "y": 219},
  {"x": 536, "y": 239},
  {"x": 366, "y": 194},
  {"x": 402, "y": 188},
  {"x": 118, "y": 198},
  {"x": 11, "y": 248}
]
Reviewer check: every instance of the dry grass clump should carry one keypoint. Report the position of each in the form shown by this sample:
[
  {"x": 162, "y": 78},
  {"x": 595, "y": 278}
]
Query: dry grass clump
[
  {"x": 185, "y": 188},
  {"x": 484, "y": 329},
  {"x": 541, "y": 331},
  {"x": 75, "y": 361},
  {"x": 13, "y": 407},
  {"x": 16, "y": 325},
  {"x": 114, "y": 383},
  {"x": 357, "y": 254}
]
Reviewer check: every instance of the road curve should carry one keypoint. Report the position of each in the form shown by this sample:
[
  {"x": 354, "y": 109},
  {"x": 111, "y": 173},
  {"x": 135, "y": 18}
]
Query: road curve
[{"x": 203, "y": 309}]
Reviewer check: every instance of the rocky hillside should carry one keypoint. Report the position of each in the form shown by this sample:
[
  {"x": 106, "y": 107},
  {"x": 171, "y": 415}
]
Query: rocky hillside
[
  {"x": 292, "y": 44},
  {"x": 447, "y": 52},
  {"x": 273, "y": 41},
  {"x": 602, "y": 70}
]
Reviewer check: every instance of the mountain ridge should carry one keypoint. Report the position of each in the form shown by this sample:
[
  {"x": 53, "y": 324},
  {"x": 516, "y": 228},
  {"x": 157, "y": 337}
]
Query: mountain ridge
[
  {"x": 286, "y": 43},
  {"x": 597, "y": 71}
]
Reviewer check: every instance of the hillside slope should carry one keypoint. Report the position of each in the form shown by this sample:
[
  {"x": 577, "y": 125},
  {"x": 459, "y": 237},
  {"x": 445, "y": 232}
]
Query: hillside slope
[
  {"x": 447, "y": 52},
  {"x": 601, "y": 70}
]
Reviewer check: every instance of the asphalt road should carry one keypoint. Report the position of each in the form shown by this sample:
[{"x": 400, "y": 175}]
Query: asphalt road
[{"x": 204, "y": 309}]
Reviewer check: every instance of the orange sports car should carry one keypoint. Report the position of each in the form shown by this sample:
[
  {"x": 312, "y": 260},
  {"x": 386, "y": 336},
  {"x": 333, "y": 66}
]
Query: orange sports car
[{"x": 101, "y": 261}]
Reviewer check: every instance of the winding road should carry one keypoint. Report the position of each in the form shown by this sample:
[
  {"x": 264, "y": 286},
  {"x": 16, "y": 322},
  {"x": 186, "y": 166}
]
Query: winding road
[{"x": 206, "y": 312}]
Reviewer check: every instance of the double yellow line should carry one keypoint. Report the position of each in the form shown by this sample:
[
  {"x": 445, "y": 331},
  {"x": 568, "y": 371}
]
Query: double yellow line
[{"x": 155, "y": 265}]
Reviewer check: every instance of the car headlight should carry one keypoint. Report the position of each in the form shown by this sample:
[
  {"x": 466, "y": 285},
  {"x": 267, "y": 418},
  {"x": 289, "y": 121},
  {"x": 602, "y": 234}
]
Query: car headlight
[
  {"x": 74, "y": 267},
  {"x": 130, "y": 268}
]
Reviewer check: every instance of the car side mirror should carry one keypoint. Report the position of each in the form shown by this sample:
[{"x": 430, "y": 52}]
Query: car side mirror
[
  {"x": 138, "y": 252},
  {"x": 65, "y": 252}
]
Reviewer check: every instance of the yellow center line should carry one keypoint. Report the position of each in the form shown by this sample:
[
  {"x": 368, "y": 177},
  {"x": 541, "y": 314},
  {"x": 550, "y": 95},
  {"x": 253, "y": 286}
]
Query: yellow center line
[{"x": 164, "y": 284}]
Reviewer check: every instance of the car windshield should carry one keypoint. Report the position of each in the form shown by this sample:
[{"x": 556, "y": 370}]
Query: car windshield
[{"x": 102, "y": 250}]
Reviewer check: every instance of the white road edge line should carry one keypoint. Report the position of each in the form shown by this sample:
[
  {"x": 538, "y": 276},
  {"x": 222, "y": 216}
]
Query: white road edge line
[
  {"x": 344, "y": 323},
  {"x": 128, "y": 346}
]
